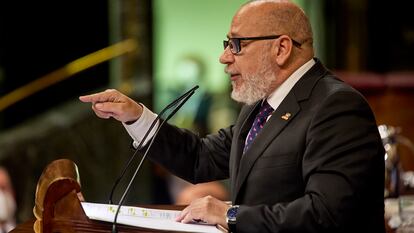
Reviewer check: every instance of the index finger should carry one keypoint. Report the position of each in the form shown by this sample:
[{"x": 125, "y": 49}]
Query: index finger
[
  {"x": 93, "y": 98},
  {"x": 182, "y": 215}
]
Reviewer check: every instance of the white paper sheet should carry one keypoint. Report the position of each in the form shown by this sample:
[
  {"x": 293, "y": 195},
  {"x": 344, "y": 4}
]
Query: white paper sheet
[{"x": 143, "y": 217}]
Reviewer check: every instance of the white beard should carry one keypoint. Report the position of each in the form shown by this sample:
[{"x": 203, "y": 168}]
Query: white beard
[{"x": 255, "y": 86}]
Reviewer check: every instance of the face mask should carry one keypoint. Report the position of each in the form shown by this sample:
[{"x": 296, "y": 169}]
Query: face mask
[{"x": 7, "y": 206}]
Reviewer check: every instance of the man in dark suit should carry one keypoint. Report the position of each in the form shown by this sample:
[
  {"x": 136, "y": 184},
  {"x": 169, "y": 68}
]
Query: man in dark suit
[{"x": 304, "y": 155}]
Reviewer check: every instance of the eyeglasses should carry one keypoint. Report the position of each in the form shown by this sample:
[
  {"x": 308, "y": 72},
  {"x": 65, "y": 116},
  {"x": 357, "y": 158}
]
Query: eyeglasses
[{"x": 235, "y": 47}]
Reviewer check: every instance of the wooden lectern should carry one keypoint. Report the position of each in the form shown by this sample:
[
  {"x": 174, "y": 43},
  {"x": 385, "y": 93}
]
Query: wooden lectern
[{"x": 58, "y": 207}]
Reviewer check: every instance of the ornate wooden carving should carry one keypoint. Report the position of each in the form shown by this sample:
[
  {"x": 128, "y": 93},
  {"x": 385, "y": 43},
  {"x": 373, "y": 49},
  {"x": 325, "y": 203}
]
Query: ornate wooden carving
[
  {"x": 58, "y": 206},
  {"x": 57, "y": 197}
]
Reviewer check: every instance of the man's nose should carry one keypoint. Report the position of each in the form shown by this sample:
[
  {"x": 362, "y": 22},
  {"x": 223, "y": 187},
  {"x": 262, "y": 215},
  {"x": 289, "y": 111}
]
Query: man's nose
[{"x": 226, "y": 57}]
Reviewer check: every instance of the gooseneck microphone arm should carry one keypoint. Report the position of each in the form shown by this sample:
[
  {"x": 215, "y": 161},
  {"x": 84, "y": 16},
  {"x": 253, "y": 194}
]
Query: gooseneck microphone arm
[
  {"x": 180, "y": 101},
  {"x": 128, "y": 164}
]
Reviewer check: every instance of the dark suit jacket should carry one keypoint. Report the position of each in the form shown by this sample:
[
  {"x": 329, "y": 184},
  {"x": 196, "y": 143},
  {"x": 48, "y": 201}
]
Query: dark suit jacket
[{"x": 320, "y": 170}]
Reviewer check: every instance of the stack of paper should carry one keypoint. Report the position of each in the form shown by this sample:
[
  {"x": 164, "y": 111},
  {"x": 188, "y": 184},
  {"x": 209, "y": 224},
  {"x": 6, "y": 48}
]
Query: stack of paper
[{"x": 143, "y": 217}]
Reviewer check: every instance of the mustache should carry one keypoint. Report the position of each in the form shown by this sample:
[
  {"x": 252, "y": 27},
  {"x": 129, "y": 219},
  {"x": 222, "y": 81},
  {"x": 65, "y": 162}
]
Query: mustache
[{"x": 227, "y": 70}]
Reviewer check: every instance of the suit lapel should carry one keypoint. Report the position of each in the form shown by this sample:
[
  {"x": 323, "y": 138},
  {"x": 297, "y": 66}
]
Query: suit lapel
[
  {"x": 247, "y": 117},
  {"x": 280, "y": 118}
]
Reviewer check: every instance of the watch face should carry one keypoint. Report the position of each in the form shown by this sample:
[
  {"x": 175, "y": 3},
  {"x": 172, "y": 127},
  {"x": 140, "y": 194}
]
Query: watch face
[{"x": 232, "y": 212}]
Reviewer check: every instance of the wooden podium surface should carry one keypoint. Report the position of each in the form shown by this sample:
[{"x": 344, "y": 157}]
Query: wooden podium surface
[
  {"x": 94, "y": 226},
  {"x": 58, "y": 207},
  {"x": 27, "y": 227}
]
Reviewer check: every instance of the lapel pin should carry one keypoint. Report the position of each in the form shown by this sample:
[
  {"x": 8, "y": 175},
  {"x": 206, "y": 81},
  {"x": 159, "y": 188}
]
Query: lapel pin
[{"x": 286, "y": 116}]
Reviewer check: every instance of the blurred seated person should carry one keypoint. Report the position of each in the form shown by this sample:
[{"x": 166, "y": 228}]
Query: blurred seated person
[
  {"x": 192, "y": 192},
  {"x": 7, "y": 202},
  {"x": 194, "y": 115}
]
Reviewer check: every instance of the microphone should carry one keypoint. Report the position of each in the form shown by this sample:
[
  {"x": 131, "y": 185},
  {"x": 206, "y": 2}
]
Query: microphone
[
  {"x": 128, "y": 164},
  {"x": 180, "y": 101}
]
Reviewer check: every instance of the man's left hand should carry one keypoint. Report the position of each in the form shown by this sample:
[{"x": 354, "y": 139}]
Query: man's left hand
[{"x": 207, "y": 209}]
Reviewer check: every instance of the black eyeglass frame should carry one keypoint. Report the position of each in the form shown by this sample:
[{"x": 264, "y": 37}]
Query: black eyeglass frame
[{"x": 236, "y": 42}]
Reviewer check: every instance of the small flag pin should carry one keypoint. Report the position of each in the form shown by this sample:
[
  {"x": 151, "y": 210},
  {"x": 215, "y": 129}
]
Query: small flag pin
[{"x": 286, "y": 116}]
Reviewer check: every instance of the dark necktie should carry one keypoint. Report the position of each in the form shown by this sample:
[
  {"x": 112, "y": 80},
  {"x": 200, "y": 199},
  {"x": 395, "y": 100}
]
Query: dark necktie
[{"x": 258, "y": 124}]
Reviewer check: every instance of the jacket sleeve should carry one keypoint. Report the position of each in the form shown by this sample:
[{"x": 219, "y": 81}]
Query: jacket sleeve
[{"x": 190, "y": 157}]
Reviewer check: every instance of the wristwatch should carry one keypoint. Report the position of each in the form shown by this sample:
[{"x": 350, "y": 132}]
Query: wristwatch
[{"x": 231, "y": 218}]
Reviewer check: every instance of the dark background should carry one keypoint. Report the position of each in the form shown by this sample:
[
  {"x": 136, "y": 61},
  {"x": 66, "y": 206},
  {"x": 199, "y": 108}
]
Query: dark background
[
  {"x": 381, "y": 31},
  {"x": 38, "y": 37}
]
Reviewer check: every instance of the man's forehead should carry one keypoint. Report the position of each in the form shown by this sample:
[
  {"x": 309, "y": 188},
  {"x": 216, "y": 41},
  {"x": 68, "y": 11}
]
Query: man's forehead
[
  {"x": 245, "y": 25},
  {"x": 235, "y": 31}
]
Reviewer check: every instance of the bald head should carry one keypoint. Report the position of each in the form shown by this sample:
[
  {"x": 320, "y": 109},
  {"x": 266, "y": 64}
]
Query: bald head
[{"x": 275, "y": 17}]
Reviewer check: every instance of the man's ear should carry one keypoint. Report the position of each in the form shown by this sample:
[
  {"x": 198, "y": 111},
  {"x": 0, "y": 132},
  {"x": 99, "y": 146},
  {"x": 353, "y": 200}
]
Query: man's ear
[{"x": 282, "y": 49}]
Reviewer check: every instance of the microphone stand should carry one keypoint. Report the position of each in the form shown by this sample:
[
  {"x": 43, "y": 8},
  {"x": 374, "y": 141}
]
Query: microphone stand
[
  {"x": 184, "y": 99},
  {"x": 140, "y": 145}
]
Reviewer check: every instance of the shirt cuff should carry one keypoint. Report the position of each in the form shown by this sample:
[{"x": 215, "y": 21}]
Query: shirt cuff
[{"x": 138, "y": 129}]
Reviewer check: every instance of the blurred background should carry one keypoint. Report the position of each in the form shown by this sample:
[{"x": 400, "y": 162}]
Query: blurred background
[{"x": 163, "y": 48}]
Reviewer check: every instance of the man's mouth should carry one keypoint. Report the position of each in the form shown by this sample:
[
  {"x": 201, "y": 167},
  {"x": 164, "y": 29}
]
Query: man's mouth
[{"x": 234, "y": 77}]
